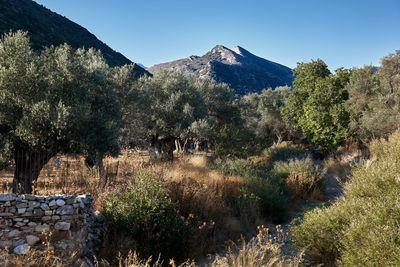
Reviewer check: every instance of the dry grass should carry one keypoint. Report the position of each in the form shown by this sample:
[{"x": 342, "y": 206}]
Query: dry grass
[
  {"x": 262, "y": 250},
  {"x": 201, "y": 194}
]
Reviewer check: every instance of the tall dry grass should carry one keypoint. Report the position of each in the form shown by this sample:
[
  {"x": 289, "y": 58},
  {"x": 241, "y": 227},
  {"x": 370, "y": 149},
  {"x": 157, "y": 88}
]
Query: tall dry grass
[{"x": 202, "y": 195}]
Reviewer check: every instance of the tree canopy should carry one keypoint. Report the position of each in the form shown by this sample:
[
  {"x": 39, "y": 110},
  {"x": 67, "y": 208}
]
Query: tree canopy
[
  {"x": 60, "y": 100},
  {"x": 374, "y": 101},
  {"x": 316, "y": 104}
]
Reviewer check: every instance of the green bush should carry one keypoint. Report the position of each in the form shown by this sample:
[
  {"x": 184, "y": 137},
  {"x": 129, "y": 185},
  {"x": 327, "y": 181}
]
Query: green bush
[
  {"x": 303, "y": 178},
  {"x": 283, "y": 151},
  {"x": 239, "y": 167},
  {"x": 362, "y": 228},
  {"x": 143, "y": 210},
  {"x": 261, "y": 192}
]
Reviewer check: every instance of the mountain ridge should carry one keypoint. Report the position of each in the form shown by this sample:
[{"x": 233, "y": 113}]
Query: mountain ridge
[
  {"x": 46, "y": 28},
  {"x": 239, "y": 68}
]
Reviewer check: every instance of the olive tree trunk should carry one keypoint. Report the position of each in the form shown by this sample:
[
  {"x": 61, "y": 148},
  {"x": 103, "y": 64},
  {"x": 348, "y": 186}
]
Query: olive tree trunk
[
  {"x": 167, "y": 148},
  {"x": 28, "y": 165}
]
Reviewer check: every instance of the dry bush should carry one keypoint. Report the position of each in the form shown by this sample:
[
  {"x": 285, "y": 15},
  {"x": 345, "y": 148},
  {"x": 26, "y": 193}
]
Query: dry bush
[
  {"x": 303, "y": 178},
  {"x": 263, "y": 250}
]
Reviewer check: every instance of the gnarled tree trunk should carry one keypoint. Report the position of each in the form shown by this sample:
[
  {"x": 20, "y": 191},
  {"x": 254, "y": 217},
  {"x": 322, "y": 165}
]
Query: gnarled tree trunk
[
  {"x": 167, "y": 148},
  {"x": 28, "y": 165}
]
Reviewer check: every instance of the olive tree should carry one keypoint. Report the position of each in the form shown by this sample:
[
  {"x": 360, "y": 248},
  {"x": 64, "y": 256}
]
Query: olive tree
[
  {"x": 175, "y": 104},
  {"x": 374, "y": 99},
  {"x": 60, "y": 100},
  {"x": 262, "y": 114},
  {"x": 134, "y": 103}
]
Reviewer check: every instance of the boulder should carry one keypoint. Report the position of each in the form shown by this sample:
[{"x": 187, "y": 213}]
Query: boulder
[{"x": 21, "y": 249}]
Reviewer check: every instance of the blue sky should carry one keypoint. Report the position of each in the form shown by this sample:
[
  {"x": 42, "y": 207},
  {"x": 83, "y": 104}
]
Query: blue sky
[{"x": 342, "y": 33}]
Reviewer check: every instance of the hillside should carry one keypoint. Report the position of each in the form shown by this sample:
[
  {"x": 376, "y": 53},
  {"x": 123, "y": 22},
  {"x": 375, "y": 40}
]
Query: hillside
[
  {"x": 49, "y": 28},
  {"x": 243, "y": 71}
]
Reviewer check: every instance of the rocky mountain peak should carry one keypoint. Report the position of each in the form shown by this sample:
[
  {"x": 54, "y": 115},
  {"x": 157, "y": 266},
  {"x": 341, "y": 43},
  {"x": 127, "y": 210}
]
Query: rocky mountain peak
[
  {"x": 221, "y": 53},
  {"x": 243, "y": 71},
  {"x": 240, "y": 51}
]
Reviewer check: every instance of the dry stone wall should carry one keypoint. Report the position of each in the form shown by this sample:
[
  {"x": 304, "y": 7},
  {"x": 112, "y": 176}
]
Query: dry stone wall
[{"x": 66, "y": 222}]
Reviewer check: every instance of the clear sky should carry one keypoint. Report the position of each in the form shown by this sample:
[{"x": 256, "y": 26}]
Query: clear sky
[{"x": 342, "y": 32}]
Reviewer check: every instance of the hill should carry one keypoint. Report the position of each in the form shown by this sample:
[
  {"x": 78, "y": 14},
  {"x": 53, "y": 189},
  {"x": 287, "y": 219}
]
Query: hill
[
  {"x": 243, "y": 71},
  {"x": 47, "y": 28}
]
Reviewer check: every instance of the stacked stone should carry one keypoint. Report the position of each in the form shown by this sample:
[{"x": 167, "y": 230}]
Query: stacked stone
[{"x": 27, "y": 221}]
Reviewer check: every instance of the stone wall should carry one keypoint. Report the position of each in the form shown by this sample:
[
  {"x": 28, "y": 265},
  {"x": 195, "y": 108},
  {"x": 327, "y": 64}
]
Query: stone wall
[{"x": 66, "y": 222}]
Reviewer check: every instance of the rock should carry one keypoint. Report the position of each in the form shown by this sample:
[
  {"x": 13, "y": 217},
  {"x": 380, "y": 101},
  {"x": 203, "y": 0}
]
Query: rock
[
  {"x": 21, "y": 205},
  {"x": 62, "y": 226},
  {"x": 60, "y": 202},
  {"x": 34, "y": 204},
  {"x": 52, "y": 203},
  {"x": 48, "y": 212},
  {"x": 27, "y": 214},
  {"x": 44, "y": 206},
  {"x": 21, "y": 211},
  {"x": 14, "y": 233},
  {"x": 65, "y": 210},
  {"x": 32, "y": 224},
  {"x": 22, "y": 249},
  {"x": 6, "y": 243},
  {"x": 32, "y": 240},
  {"x": 46, "y": 218},
  {"x": 98, "y": 216},
  {"x": 42, "y": 228},
  {"x": 19, "y": 242},
  {"x": 29, "y": 197},
  {"x": 37, "y": 212},
  {"x": 6, "y": 214},
  {"x": 7, "y": 197},
  {"x": 19, "y": 224}
]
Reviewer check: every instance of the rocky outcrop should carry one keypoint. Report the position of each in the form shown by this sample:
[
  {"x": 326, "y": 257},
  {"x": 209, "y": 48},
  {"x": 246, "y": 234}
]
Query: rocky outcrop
[
  {"x": 66, "y": 223},
  {"x": 240, "y": 69}
]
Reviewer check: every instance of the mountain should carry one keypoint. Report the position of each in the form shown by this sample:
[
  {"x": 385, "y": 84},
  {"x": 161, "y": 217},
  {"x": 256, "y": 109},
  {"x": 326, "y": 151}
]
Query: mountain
[
  {"x": 243, "y": 71},
  {"x": 47, "y": 28},
  {"x": 141, "y": 65}
]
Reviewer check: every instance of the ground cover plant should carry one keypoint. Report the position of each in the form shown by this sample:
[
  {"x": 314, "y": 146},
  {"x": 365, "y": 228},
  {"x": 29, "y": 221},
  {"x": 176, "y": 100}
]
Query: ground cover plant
[{"x": 361, "y": 228}]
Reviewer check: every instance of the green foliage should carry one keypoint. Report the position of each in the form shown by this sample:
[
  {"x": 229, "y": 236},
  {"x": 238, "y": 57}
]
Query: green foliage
[
  {"x": 316, "y": 105},
  {"x": 374, "y": 101},
  {"x": 361, "y": 229},
  {"x": 59, "y": 101},
  {"x": 134, "y": 104},
  {"x": 262, "y": 114},
  {"x": 230, "y": 141},
  {"x": 282, "y": 152},
  {"x": 303, "y": 177},
  {"x": 218, "y": 99},
  {"x": 143, "y": 210},
  {"x": 269, "y": 195},
  {"x": 261, "y": 192},
  {"x": 239, "y": 167}
]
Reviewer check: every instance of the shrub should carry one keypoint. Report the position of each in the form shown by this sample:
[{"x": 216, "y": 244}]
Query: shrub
[
  {"x": 239, "y": 167},
  {"x": 260, "y": 193},
  {"x": 142, "y": 208},
  {"x": 269, "y": 196},
  {"x": 281, "y": 152},
  {"x": 362, "y": 228},
  {"x": 303, "y": 178}
]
